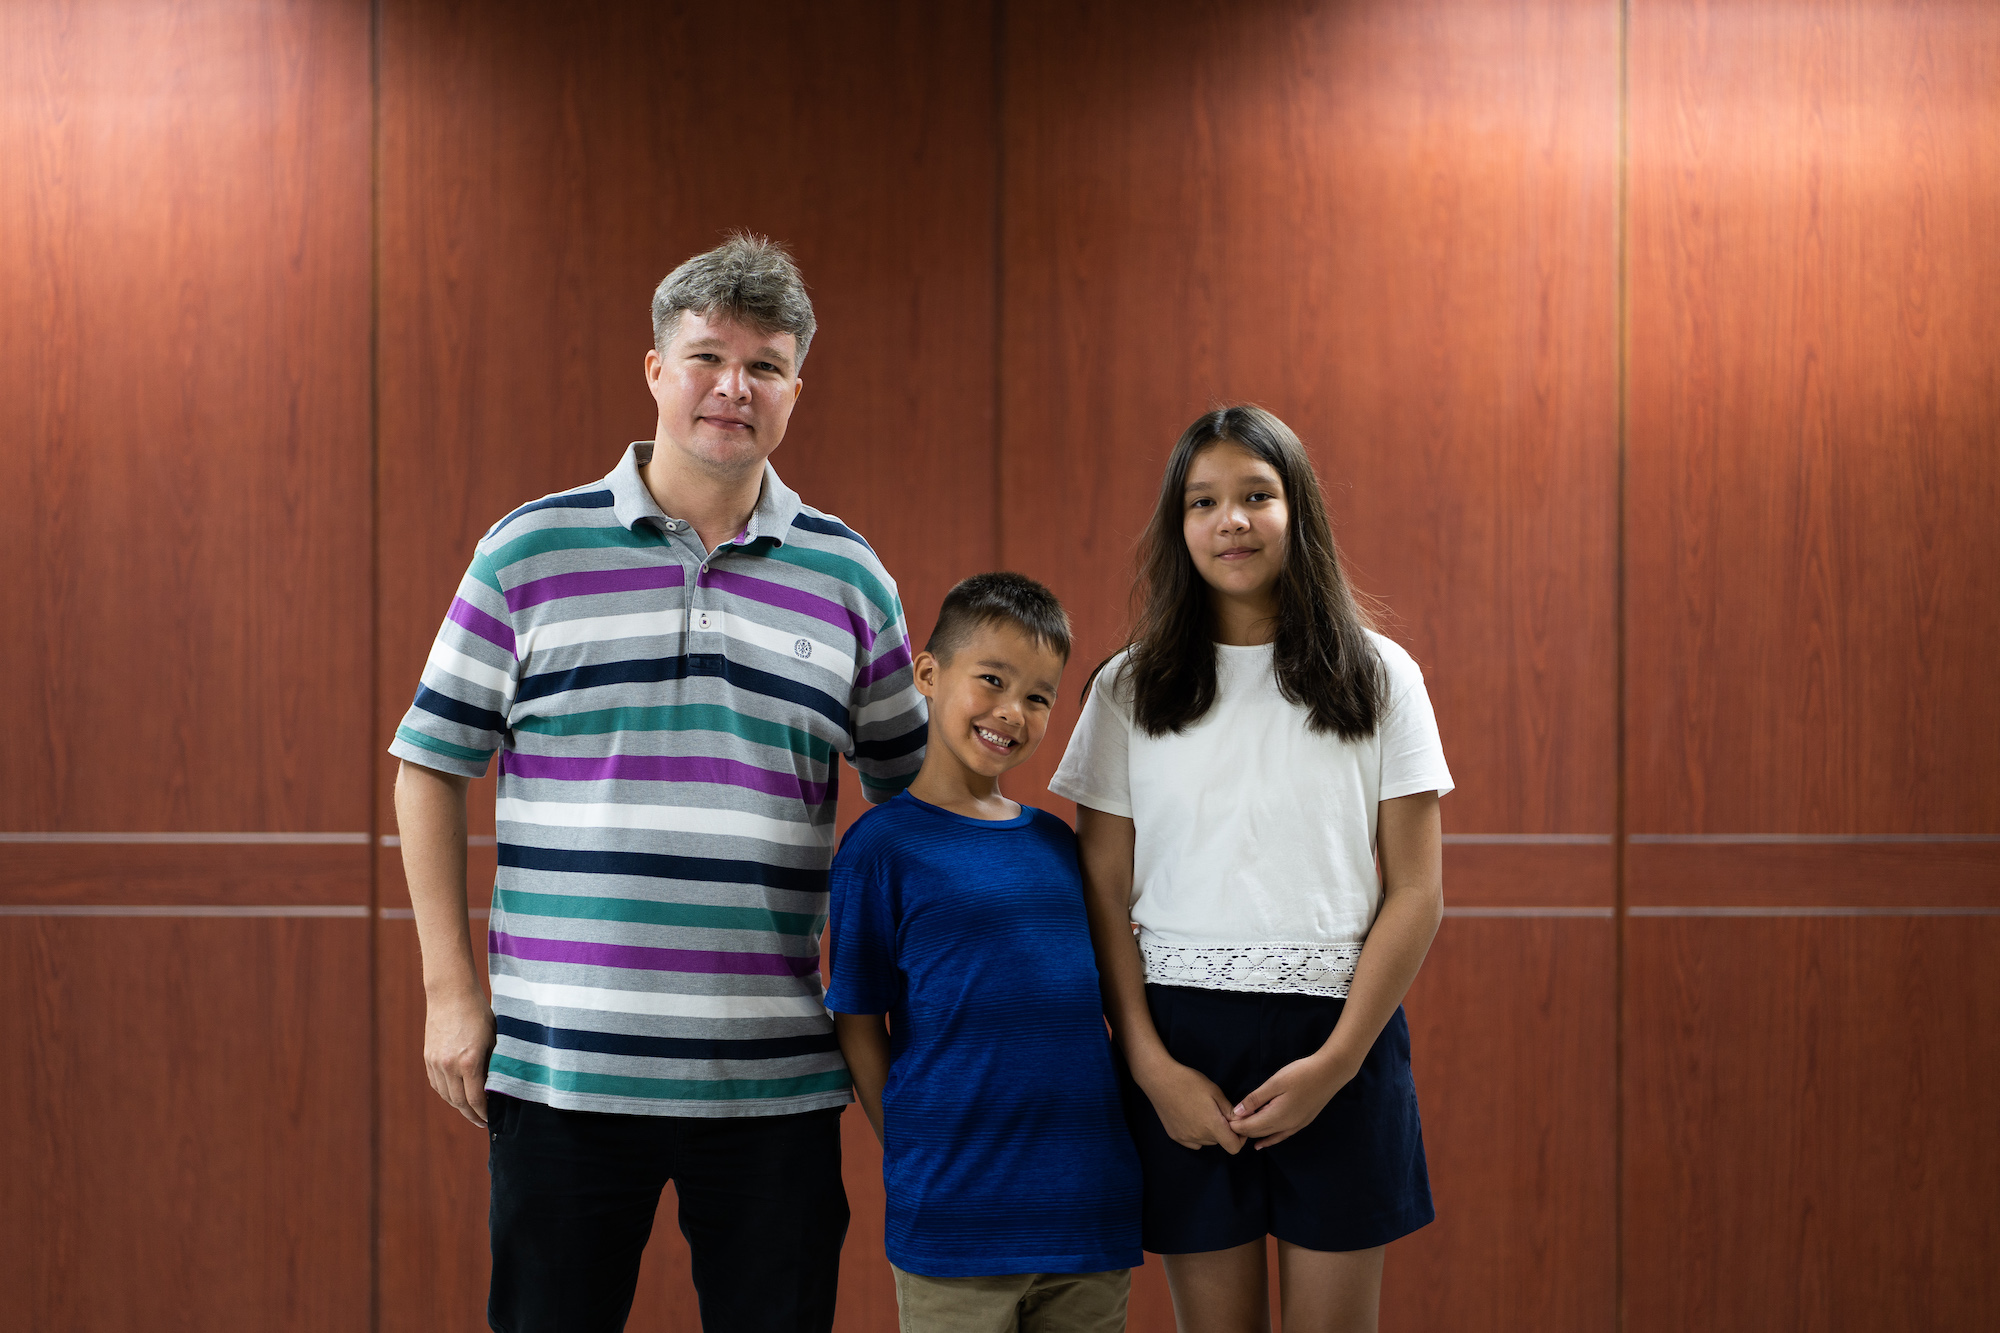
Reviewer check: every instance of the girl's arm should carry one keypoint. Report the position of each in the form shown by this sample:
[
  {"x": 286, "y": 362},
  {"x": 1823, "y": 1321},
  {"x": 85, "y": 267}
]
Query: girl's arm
[
  {"x": 1192, "y": 1109},
  {"x": 864, "y": 1044},
  {"x": 1409, "y": 839}
]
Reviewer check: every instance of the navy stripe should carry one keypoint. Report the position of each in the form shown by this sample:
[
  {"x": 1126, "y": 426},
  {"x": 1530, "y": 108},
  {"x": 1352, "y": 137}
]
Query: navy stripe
[
  {"x": 829, "y": 527},
  {"x": 907, "y": 743},
  {"x": 655, "y": 865},
  {"x": 576, "y": 500},
  {"x": 666, "y": 1048},
  {"x": 654, "y": 670},
  {"x": 443, "y": 705}
]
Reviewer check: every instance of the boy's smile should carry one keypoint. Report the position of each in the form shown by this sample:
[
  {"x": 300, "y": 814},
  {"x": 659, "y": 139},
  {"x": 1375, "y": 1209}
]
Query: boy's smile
[{"x": 990, "y": 703}]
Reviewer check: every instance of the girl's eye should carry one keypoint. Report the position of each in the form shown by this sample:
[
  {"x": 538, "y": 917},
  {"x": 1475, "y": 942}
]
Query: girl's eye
[
  {"x": 1199, "y": 502},
  {"x": 1261, "y": 495}
]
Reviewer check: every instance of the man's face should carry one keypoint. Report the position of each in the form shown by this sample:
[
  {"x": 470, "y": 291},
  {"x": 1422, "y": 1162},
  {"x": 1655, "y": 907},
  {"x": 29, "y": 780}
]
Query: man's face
[{"x": 725, "y": 390}]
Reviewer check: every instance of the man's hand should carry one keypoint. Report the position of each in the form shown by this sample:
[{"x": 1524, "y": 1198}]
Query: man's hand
[
  {"x": 458, "y": 1041},
  {"x": 1289, "y": 1100},
  {"x": 1191, "y": 1108}
]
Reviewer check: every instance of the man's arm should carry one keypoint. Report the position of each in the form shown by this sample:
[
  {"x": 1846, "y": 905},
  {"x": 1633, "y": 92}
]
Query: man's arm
[
  {"x": 864, "y": 1044},
  {"x": 458, "y": 1021}
]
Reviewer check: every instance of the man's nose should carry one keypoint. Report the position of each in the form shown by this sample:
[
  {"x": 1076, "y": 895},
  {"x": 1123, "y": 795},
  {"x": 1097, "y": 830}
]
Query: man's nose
[{"x": 733, "y": 384}]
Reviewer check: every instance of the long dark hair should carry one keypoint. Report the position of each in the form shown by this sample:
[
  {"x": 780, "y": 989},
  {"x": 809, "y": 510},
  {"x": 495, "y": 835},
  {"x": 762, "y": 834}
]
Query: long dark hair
[{"x": 1322, "y": 656}]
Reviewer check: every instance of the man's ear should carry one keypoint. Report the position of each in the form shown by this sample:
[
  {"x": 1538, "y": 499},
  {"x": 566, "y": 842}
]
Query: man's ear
[
  {"x": 798, "y": 387},
  {"x": 654, "y": 363},
  {"x": 925, "y": 670}
]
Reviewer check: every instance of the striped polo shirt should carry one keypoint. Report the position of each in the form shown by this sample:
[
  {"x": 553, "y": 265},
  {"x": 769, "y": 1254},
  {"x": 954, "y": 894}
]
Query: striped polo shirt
[{"x": 667, "y": 720}]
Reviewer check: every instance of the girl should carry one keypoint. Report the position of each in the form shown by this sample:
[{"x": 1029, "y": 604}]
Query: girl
[{"x": 1241, "y": 770}]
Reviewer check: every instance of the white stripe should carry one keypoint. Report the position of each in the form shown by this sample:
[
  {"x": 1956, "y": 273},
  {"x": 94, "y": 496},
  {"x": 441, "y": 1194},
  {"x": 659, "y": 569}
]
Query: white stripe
[
  {"x": 470, "y": 669},
  {"x": 1604, "y": 912},
  {"x": 665, "y": 818},
  {"x": 818, "y": 654},
  {"x": 1529, "y": 839},
  {"x": 657, "y": 1002},
  {"x": 883, "y": 709},
  {"x": 594, "y": 629}
]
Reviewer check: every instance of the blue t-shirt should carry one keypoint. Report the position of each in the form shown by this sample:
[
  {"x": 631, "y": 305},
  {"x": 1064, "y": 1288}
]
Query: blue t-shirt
[{"x": 1006, "y": 1151}]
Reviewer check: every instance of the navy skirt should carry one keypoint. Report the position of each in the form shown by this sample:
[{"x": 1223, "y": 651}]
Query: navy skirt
[{"x": 1351, "y": 1180}]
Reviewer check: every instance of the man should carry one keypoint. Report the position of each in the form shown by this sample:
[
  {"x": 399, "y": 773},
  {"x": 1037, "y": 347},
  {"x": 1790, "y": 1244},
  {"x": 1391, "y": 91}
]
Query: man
[{"x": 669, "y": 661}]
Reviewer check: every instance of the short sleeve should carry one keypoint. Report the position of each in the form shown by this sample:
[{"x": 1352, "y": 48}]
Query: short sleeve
[
  {"x": 459, "y": 717},
  {"x": 888, "y": 719},
  {"x": 861, "y": 930},
  {"x": 1095, "y": 769},
  {"x": 1412, "y": 753}
]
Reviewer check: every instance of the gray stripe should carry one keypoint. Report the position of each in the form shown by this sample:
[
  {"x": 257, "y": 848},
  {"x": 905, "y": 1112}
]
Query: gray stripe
[
  {"x": 471, "y": 840},
  {"x": 1814, "y": 911},
  {"x": 409, "y": 914},
  {"x": 1805, "y": 839},
  {"x": 76, "y": 909},
  {"x": 261, "y": 839},
  {"x": 1529, "y": 839},
  {"x": 1529, "y": 911}
]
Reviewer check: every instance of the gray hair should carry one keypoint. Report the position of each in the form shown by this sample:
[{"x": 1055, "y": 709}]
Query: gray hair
[{"x": 747, "y": 277}]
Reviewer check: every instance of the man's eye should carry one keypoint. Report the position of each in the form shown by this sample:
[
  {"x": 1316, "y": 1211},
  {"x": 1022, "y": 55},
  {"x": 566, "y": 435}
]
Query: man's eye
[{"x": 766, "y": 365}]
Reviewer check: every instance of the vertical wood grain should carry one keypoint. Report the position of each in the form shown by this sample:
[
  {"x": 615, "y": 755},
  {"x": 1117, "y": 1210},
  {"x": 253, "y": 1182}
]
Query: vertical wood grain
[
  {"x": 1394, "y": 226},
  {"x": 1815, "y": 387},
  {"x": 184, "y": 515},
  {"x": 1810, "y": 1124},
  {"x": 542, "y": 169},
  {"x": 187, "y": 1127}
]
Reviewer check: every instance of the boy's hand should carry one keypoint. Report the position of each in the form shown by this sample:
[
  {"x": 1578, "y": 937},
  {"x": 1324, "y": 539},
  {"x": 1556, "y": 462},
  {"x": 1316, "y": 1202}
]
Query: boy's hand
[
  {"x": 1289, "y": 1100},
  {"x": 1191, "y": 1108}
]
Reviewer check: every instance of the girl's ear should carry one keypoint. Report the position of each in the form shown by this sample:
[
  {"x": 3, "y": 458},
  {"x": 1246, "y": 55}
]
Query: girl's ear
[{"x": 925, "y": 670}]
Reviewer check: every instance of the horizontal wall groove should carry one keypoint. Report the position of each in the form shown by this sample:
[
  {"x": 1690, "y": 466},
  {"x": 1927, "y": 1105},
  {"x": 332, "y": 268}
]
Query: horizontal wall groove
[
  {"x": 1528, "y": 839},
  {"x": 1601, "y": 913},
  {"x": 192, "y": 839},
  {"x": 1805, "y": 839},
  {"x": 474, "y": 840},
  {"x": 96, "y": 909},
  {"x": 1813, "y": 911}
]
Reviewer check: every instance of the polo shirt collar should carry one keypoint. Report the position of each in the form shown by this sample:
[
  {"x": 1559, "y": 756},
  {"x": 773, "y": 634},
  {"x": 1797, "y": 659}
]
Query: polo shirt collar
[{"x": 777, "y": 503}]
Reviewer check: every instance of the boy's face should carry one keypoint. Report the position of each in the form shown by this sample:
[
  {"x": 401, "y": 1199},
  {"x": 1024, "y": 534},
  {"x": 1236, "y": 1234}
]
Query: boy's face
[{"x": 990, "y": 702}]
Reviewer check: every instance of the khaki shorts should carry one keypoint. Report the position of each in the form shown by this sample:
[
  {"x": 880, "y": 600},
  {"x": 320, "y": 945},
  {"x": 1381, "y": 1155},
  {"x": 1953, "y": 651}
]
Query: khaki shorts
[{"x": 1016, "y": 1303}]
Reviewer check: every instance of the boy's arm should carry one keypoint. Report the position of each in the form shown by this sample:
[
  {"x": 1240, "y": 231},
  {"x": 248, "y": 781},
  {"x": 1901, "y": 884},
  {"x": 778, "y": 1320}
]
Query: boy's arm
[{"x": 864, "y": 1044}]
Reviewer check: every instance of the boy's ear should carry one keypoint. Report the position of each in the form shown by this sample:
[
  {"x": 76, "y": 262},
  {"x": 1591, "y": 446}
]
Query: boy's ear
[{"x": 925, "y": 670}]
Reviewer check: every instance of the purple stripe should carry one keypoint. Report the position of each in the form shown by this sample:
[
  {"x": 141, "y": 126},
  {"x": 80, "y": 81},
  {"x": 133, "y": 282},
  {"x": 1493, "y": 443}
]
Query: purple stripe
[
  {"x": 791, "y": 599},
  {"x": 485, "y": 626},
  {"x": 593, "y": 581},
  {"x": 652, "y": 960},
  {"x": 661, "y": 768},
  {"x": 888, "y": 664}
]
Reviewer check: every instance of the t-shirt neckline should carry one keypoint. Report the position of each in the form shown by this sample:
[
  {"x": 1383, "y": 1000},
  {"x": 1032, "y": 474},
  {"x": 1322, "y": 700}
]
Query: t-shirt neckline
[{"x": 1018, "y": 821}]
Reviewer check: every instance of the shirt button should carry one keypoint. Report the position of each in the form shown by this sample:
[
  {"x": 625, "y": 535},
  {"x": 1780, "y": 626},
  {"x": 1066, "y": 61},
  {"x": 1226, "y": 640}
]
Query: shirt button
[{"x": 704, "y": 620}]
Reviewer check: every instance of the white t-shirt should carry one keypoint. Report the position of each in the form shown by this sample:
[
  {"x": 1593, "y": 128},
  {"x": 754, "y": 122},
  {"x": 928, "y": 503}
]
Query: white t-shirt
[{"x": 1255, "y": 862}]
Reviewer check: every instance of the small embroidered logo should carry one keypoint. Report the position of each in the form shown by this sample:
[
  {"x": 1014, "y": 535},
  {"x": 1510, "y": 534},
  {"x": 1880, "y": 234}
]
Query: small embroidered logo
[{"x": 803, "y": 648}]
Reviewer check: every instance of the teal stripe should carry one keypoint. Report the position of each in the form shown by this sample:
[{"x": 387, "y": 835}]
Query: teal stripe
[
  {"x": 698, "y": 915},
  {"x": 683, "y": 717},
  {"x": 487, "y": 573},
  {"x": 671, "y": 1089},
  {"x": 847, "y": 571},
  {"x": 445, "y": 748},
  {"x": 891, "y": 785},
  {"x": 548, "y": 540}
]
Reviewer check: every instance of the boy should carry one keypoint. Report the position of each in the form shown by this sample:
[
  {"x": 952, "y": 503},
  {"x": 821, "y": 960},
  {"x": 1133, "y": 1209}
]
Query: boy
[{"x": 957, "y": 915}]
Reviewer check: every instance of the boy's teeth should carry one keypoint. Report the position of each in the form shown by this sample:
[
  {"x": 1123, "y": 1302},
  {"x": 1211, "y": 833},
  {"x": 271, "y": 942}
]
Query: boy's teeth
[{"x": 995, "y": 737}]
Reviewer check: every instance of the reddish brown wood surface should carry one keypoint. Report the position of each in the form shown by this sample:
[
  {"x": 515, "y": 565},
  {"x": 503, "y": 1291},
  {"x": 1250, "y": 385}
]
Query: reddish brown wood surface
[
  {"x": 1512, "y": 1032},
  {"x": 184, "y": 507},
  {"x": 1872, "y": 875},
  {"x": 187, "y": 1125},
  {"x": 1814, "y": 391},
  {"x": 1809, "y": 1141},
  {"x": 1528, "y": 875},
  {"x": 184, "y": 875},
  {"x": 1394, "y": 226}
]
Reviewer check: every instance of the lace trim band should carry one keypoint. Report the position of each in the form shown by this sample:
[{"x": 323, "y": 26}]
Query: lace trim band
[{"x": 1300, "y": 969}]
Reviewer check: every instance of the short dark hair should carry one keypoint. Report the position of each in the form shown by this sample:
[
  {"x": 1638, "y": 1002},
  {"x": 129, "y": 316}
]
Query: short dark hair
[
  {"x": 999, "y": 599},
  {"x": 747, "y": 277}
]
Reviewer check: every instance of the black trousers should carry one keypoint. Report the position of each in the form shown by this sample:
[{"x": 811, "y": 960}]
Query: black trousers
[{"x": 574, "y": 1193}]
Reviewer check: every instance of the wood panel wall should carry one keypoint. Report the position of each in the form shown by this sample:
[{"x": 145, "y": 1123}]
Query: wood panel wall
[
  {"x": 1814, "y": 307},
  {"x": 185, "y": 529},
  {"x": 289, "y": 329}
]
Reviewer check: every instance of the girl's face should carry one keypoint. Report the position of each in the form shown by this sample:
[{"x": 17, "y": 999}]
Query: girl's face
[{"x": 1235, "y": 520}]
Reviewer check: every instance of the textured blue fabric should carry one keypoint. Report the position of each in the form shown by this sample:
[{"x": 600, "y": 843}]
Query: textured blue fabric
[{"x": 1006, "y": 1148}]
